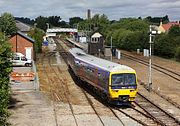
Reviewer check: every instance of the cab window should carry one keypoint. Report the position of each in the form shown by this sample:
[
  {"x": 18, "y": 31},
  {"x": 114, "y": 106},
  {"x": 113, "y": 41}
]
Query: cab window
[{"x": 123, "y": 79}]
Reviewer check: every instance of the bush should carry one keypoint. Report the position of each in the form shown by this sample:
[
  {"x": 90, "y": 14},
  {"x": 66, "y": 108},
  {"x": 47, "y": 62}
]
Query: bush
[
  {"x": 5, "y": 68},
  {"x": 164, "y": 46},
  {"x": 177, "y": 54},
  {"x": 37, "y": 35}
]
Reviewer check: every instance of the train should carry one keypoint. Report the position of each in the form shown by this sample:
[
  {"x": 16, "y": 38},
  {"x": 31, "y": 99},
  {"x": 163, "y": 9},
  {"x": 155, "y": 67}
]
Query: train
[{"x": 114, "y": 82}]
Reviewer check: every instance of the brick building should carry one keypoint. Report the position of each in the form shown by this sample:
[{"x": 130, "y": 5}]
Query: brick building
[{"x": 23, "y": 44}]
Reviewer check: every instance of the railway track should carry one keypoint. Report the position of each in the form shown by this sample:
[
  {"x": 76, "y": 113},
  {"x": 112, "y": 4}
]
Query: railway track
[
  {"x": 51, "y": 91},
  {"x": 159, "y": 68},
  {"x": 55, "y": 84},
  {"x": 158, "y": 114},
  {"x": 63, "y": 86},
  {"x": 144, "y": 116},
  {"x": 141, "y": 117},
  {"x": 170, "y": 73},
  {"x": 64, "y": 54}
]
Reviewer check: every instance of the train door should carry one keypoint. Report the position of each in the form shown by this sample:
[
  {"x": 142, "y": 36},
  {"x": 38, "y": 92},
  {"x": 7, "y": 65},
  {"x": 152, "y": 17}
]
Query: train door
[{"x": 96, "y": 78}]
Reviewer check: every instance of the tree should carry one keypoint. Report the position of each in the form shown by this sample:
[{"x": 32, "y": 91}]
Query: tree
[
  {"x": 177, "y": 54},
  {"x": 7, "y": 24},
  {"x": 64, "y": 24},
  {"x": 25, "y": 20},
  {"x": 5, "y": 68},
  {"x": 54, "y": 20},
  {"x": 156, "y": 20},
  {"x": 164, "y": 46},
  {"x": 128, "y": 34},
  {"x": 74, "y": 21},
  {"x": 41, "y": 22},
  {"x": 99, "y": 23},
  {"x": 174, "y": 31},
  {"x": 37, "y": 35}
]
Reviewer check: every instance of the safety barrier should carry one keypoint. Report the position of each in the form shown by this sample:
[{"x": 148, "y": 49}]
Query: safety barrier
[{"x": 22, "y": 77}]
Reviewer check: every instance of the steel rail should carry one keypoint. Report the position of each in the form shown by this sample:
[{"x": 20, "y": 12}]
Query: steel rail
[{"x": 155, "y": 111}]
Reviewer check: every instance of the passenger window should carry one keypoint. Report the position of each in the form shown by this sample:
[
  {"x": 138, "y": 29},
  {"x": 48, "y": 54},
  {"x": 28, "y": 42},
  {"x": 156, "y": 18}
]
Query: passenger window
[
  {"x": 23, "y": 59},
  {"x": 16, "y": 58}
]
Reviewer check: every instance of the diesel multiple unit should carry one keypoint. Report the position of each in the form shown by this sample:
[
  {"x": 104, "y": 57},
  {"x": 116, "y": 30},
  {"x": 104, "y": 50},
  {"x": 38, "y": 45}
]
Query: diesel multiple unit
[{"x": 118, "y": 83}]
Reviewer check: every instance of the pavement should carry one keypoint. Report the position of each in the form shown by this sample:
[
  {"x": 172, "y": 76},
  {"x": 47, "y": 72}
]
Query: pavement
[{"x": 29, "y": 107}]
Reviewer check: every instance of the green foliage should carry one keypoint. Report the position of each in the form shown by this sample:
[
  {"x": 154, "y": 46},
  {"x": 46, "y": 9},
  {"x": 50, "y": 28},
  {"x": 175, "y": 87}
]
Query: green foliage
[
  {"x": 97, "y": 23},
  {"x": 74, "y": 21},
  {"x": 41, "y": 22},
  {"x": 7, "y": 24},
  {"x": 53, "y": 21},
  {"x": 164, "y": 46},
  {"x": 132, "y": 33},
  {"x": 37, "y": 35},
  {"x": 157, "y": 20},
  {"x": 5, "y": 68},
  {"x": 130, "y": 24},
  {"x": 174, "y": 31},
  {"x": 128, "y": 34},
  {"x": 25, "y": 20},
  {"x": 177, "y": 54}
]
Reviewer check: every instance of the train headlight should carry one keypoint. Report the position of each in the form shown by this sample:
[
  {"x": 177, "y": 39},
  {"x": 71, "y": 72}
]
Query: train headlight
[
  {"x": 115, "y": 90},
  {"x": 132, "y": 90}
]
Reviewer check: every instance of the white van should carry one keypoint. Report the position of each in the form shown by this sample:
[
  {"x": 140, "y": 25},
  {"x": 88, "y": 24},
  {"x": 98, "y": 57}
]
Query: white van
[{"x": 19, "y": 59}]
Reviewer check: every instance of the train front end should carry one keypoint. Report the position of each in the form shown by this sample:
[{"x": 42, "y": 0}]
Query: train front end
[{"x": 123, "y": 87}]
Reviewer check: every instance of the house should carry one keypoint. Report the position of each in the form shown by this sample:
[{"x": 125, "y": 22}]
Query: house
[
  {"x": 165, "y": 27},
  {"x": 23, "y": 44},
  {"x": 96, "y": 45}
]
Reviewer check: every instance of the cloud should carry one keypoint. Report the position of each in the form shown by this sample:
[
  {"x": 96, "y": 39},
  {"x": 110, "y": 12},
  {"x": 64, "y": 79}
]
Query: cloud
[{"x": 71, "y": 8}]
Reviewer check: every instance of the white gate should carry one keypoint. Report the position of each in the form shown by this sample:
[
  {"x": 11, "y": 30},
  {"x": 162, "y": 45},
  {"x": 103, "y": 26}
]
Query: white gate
[{"x": 28, "y": 52}]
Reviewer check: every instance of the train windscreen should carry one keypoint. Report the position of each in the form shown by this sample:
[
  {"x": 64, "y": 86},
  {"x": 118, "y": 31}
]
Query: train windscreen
[{"x": 123, "y": 80}]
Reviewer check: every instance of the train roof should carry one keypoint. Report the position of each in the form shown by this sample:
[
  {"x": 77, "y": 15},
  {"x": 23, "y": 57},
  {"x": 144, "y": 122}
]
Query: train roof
[{"x": 101, "y": 63}]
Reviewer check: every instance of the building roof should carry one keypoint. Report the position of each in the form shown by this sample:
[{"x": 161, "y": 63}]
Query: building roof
[
  {"x": 96, "y": 35},
  {"x": 22, "y": 26},
  {"x": 169, "y": 25},
  {"x": 25, "y": 36}
]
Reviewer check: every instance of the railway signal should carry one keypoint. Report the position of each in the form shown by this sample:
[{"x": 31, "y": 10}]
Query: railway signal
[{"x": 152, "y": 33}]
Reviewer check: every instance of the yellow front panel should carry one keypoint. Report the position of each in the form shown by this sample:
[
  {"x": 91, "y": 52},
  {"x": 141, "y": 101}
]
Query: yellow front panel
[{"x": 115, "y": 93}]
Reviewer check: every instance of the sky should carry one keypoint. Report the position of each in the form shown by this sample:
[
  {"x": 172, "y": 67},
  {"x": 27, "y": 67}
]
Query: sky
[{"x": 114, "y": 9}]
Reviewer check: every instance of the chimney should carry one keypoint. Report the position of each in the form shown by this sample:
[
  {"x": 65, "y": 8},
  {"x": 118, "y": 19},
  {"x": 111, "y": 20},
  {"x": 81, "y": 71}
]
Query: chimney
[
  {"x": 160, "y": 22},
  {"x": 88, "y": 14}
]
